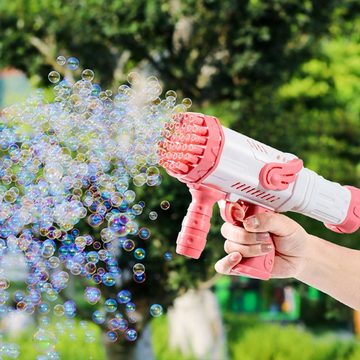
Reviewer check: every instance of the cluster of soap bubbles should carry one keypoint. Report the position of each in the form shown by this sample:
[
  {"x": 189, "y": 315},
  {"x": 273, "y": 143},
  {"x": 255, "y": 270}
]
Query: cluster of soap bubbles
[{"x": 71, "y": 161}]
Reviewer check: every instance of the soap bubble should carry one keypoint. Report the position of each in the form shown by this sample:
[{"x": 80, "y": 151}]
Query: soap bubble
[
  {"x": 144, "y": 233},
  {"x": 139, "y": 253},
  {"x": 123, "y": 324},
  {"x": 168, "y": 256},
  {"x": 61, "y": 60},
  {"x": 44, "y": 340},
  {"x": 92, "y": 295},
  {"x": 110, "y": 305},
  {"x": 130, "y": 307},
  {"x": 95, "y": 220},
  {"x": 171, "y": 93},
  {"x": 137, "y": 209},
  {"x": 165, "y": 205},
  {"x": 156, "y": 310},
  {"x": 11, "y": 351},
  {"x": 140, "y": 180},
  {"x": 4, "y": 283},
  {"x": 124, "y": 296},
  {"x": 59, "y": 310},
  {"x": 108, "y": 279},
  {"x": 54, "y": 77},
  {"x": 111, "y": 336},
  {"x": 43, "y": 308},
  {"x": 128, "y": 245},
  {"x": 87, "y": 75},
  {"x": 139, "y": 278},
  {"x": 153, "y": 215},
  {"x": 187, "y": 102},
  {"x": 133, "y": 77},
  {"x": 129, "y": 196},
  {"x": 114, "y": 324},
  {"x": 138, "y": 269},
  {"x": 130, "y": 335},
  {"x": 72, "y": 63},
  {"x": 98, "y": 317},
  {"x": 92, "y": 257}
]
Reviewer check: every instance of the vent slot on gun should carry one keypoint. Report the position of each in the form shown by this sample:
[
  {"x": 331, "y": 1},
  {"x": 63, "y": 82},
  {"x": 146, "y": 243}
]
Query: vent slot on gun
[
  {"x": 257, "y": 146},
  {"x": 247, "y": 189}
]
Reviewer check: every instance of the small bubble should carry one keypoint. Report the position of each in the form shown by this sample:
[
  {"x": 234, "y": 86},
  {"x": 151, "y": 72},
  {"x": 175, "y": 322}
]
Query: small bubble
[
  {"x": 130, "y": 307},
  {"x": 153, "y": 215},
  {"x": 137, "y": 209},
  {"x": 111, "y": 336},
  {"x": 59, "y": 310},
  {"x": 98, "y": 317},
  {"x": 72, "y": 63},
  {"x": 171, "y": 94},
  {"x": 54, "y": 77},
  {"x": 139, "y": 278},
  {"x": 138, "y": 269},
  {"x": 156, "y": 310},
  {"x": 168, "y": 256},
  {"x": 128, "y": 245},
  {"x": 133, "y": 77},
  {"x": 130, "y": 335},
  {"x": 124, "y": 296},
  {"x": 87, "y": 75},
  {"x": 44, "y": 340},
  {"x": 61, "y": 60},
  {"x": 139, "y": 179},
  {"x": 110, "y": 305},
  {"x": 92, "y": 295},
  {"x": 144, "y": 233},
  {"x": 96, "y": 89},
  {"x": 139, "y": 253},
  {"x": 165, "y": 205},
  {"x": 187, "y": 102}
]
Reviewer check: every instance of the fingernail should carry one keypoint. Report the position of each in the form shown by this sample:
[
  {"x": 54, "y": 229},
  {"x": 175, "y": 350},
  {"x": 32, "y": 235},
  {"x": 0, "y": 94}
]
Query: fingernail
[
  {"x": 265, "y": 236},
  {"x": 252, "y": 222},
  {"x": 266, "y": 247},
  {"x": 234, "y": 256},
  {"x": 238, "y": 214}
]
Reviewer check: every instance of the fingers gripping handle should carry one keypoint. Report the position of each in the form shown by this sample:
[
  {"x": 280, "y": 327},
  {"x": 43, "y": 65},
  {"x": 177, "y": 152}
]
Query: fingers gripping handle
[
  {"x": 256, "y": 267},
  {"x": 196, "y": 224}
]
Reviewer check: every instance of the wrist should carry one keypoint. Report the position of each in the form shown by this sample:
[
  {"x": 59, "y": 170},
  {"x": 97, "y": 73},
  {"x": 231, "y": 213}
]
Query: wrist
[{"x": 308, "y": 257}]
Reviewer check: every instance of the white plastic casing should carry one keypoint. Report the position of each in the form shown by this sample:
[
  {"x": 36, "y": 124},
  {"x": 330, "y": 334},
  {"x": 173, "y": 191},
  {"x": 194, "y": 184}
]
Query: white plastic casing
[{"x": 237, "y": 174}]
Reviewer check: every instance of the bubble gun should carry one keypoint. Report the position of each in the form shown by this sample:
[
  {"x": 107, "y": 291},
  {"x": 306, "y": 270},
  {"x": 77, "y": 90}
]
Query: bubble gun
[{"x": 240, "y": 173}]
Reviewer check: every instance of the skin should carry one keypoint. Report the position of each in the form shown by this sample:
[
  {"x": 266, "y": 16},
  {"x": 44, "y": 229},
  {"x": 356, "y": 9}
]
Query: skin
[{"x": 333, "y": 269}]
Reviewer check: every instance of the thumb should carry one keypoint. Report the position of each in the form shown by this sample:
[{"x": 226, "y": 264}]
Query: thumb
[
  {"x": 274, "y": 223},
  {"x": 224, "y": 265}
]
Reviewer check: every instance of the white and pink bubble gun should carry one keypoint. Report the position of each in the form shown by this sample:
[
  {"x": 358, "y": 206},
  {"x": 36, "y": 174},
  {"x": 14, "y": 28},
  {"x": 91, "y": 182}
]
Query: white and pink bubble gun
[{"x": 221, "y": 165}]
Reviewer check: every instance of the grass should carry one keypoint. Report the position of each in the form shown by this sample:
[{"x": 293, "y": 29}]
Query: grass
[
  {"x": 248, "y": 339},
  {"x": 74, "y": 340}
]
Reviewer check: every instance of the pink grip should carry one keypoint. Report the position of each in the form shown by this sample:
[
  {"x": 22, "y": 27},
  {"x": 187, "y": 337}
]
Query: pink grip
[
  {"x": 256, "y": 267},
  {"x": 196, "y": 224}
]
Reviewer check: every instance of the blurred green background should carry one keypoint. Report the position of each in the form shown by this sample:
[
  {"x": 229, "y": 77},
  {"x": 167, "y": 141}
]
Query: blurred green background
[{"x": 284, "y": 72}]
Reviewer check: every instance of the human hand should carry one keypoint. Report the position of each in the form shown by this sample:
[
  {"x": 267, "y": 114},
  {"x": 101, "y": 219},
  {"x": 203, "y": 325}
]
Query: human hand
[{"x": 290, "y": 241}]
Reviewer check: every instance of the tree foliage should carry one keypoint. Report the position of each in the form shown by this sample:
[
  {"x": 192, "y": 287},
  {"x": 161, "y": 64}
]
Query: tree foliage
[
  {"x": 209, "y": 49},
  {"x": 285, "y": 72}
]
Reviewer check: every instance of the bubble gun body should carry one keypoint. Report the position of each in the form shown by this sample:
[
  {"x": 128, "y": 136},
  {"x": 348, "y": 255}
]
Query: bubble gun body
[{"x": 240, "y": 173}]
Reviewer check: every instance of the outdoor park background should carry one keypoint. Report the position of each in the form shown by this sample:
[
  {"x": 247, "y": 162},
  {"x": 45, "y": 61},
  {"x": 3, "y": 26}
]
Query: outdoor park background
[{"x": 284, "y": 72}]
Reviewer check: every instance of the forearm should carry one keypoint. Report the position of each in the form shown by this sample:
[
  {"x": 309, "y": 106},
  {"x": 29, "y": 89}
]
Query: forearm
[{"x": 333, "y": 269}]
